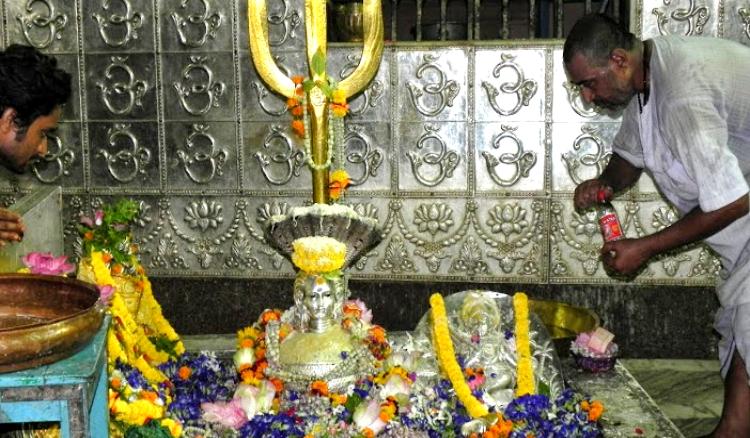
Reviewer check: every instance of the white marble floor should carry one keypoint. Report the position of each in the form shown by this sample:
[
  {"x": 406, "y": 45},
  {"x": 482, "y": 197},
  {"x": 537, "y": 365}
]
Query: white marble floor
[{"x": 689, "y": 392}]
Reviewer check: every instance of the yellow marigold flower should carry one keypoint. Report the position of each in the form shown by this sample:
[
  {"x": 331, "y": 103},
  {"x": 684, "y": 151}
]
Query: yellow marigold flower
[
  {"x": 174, "y": 427},
  {"x": 338, "y": 96},
  {"x": 318, "y": 254}
]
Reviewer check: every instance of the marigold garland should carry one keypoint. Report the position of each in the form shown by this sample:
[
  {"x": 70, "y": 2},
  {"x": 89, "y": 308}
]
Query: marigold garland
[
  {"x": 524, "y": 366},
  {"x": 447, "y": 358},
  {"x": 318, "y": 254},
  {"x": 128, "y": 341}
]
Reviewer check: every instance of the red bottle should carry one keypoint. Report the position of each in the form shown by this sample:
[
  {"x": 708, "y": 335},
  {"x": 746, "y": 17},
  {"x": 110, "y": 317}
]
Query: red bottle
[{"x": 609, "y": 224}]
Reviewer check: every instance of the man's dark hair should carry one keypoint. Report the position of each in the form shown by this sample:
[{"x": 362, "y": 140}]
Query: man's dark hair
[
  {"x": 595, "y": 36},
  {"x": 31, "y": 83}
]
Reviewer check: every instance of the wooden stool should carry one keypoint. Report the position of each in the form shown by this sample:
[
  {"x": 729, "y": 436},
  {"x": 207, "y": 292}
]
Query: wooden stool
[{"x": 72, "y": 391}]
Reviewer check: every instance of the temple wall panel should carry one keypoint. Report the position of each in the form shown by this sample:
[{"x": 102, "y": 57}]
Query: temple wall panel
[{"x": 468, "y": 153}]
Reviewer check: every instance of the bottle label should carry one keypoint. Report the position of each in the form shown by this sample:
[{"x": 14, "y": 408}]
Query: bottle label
[{"x": 610, "y": 225}]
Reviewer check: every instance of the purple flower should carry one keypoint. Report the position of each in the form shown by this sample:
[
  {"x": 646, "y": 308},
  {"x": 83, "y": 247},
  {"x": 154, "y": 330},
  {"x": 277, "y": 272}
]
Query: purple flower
[{"x": 47, "y": 264}]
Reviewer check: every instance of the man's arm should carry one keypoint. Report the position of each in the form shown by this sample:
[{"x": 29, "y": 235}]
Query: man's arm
[
  {"x": 627, "y": 256},
  {"x": 617, "y": 176},
  {"x": 11, "y": 227}
]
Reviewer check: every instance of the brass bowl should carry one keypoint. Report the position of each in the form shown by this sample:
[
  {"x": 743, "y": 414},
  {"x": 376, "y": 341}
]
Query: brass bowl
[
  {"x": 564, "y": 322},
  {"x": 44, "y": 319}
]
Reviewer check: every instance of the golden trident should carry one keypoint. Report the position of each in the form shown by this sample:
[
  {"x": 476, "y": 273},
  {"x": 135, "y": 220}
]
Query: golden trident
[{"x": 315, "y": 36}]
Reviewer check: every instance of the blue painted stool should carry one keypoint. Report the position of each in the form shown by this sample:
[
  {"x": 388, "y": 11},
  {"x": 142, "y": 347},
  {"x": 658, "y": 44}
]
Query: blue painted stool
[{"x": 72, "y": 391}]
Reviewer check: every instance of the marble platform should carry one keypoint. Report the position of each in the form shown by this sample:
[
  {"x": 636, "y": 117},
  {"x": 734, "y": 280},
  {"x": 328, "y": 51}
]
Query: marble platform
[{"x": 689, "y": 392}]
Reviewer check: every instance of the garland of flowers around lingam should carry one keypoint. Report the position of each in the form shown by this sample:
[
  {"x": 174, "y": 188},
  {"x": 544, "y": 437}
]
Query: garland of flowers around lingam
[{"x": 338, "y": 177}]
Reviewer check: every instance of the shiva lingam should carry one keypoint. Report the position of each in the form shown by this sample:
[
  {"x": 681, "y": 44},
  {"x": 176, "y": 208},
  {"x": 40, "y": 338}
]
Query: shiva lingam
[{"x": 322, "y": 241}]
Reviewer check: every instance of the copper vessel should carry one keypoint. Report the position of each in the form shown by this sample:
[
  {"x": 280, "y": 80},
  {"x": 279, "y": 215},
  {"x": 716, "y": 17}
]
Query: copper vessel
[{"x": 45, "y": 318}]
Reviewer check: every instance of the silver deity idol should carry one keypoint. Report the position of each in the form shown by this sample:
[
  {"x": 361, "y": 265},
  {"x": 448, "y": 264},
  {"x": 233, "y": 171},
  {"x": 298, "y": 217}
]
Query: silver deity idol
[{"x": 321, "y": 241}]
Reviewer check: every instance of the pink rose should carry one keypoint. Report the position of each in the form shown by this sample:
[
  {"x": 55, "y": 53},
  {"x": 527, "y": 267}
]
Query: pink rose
[
  {"x": 365, "y": 313},
  {"x": 96, "y": 221},
  {"x": 47, "y": 264},
  {"x": 227, "y": 414},
  {"x": 106, "y": 292}
]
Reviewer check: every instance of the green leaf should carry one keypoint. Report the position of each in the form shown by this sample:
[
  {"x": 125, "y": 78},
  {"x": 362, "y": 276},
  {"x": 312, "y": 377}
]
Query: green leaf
[
  {"x": 352, "y": 402},
  {"x": 162, "y": 343},
  {"x": 327, "y": 90},
  {"x": 318, "y": 64},
  {"x": 152, "y": 429},
  {"x": 544, "y": 388}
]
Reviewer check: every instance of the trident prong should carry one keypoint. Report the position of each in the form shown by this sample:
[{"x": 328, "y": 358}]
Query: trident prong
[{"x": 315, "y": 35}]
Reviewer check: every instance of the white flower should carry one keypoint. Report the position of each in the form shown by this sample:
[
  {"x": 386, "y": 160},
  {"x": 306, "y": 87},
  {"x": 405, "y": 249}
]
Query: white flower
[
  {"x": 243, "y": 356},
  {"x": 368, "y": 416},
  {"x": 255, "y": 400},
  {"x": 402, "y": 358},
  {"x": 394, "y": 386}
]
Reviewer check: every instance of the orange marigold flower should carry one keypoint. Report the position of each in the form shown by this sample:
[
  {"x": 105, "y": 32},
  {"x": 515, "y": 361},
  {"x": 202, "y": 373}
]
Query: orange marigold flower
[
  {"x": 88, "y": 235},
  {"x": 377, "y": 333},
  {"x": 278, "y": 384},
  {"x": 260, "y": 353},
  {"x": 298, "y": 127},
  {"x": 247, "y": 343},
  {"x": 596, "y": 410},
  {"x": 299, "y": 91},
  {"x": 297, "y": 111},
  {"x": 319, "y": 387},
  {"x": 269, "y": 315},
  {"x": 115, "y": 382},
  {"x": 298, "y": 79},
  {"x": 368, "y": 433},
  {"x": 260, "y": 366},
  {"x": 118, "y": 269},
  {"x": 292, "y": 102},
  {"x": 184, "y": 372},
  {"x": 339, "y": 110},
  {"x": 352, "y": 309},
  {"x": 149, "y": 395}
]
